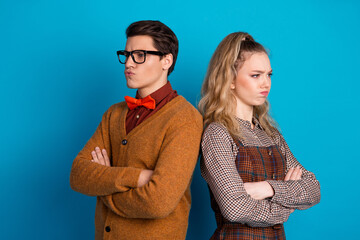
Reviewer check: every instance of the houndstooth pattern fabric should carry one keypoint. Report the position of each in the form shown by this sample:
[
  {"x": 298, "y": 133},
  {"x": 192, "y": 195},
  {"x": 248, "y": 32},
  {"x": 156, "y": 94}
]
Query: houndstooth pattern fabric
[
  {"x": 253, "y": 164},
  {"x": 218, "y": 167}
]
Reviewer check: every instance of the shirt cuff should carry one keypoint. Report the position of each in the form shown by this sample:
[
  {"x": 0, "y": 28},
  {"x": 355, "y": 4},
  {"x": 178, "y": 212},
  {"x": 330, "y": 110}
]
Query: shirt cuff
[{"x": 280, "y": 190}]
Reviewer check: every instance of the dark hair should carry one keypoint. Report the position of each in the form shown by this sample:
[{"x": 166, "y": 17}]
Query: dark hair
[{"x": 163, "y": 37}]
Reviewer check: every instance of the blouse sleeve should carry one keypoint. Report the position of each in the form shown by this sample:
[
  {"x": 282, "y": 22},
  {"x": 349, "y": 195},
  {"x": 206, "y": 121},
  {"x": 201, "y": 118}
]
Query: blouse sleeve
[
  {"x": 300, "y": 194},
  {"x": 219, "y": 170}
]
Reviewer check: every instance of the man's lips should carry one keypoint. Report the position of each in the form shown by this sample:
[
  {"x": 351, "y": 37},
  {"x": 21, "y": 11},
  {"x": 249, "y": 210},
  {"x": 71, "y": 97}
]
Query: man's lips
[{"x": 129, "y": 73}]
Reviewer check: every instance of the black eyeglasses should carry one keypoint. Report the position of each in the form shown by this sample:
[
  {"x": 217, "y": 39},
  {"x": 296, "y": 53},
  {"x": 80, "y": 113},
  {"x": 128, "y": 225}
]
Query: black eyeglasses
[{"x": 138, "y": 56}]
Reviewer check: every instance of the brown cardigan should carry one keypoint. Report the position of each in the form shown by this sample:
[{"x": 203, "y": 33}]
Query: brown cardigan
[{"x": 168, "y": 143}]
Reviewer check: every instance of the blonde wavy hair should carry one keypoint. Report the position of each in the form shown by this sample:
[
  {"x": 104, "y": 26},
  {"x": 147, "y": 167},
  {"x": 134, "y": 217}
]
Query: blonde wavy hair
[{"x": 218, "y": 102}]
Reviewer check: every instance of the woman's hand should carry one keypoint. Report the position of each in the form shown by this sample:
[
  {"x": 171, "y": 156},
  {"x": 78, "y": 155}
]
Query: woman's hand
[
  {"x": 262, "y": 190},
  {"x": 259, "y": 190},
  {"x": 293, "y": 174}
]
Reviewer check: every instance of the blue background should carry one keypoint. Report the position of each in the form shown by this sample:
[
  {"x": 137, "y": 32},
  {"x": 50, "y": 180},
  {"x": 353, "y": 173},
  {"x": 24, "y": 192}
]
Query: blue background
[{"x": 59, "y": 73}]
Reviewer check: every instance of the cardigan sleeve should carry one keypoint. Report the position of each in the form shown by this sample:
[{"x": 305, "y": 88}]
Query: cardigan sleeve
[
  {"x": 300, "y": 194},
  {"x": 219, "y": 170},
  {"x": 171, "y": 176},
  {"x": 95, "y": 179}
]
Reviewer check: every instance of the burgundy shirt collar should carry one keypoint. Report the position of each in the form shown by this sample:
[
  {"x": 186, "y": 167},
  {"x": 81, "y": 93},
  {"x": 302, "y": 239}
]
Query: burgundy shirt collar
[{"x": 159, "y": 94}]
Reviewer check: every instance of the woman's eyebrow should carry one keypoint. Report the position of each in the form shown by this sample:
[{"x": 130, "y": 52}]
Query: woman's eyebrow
[{"x": 260, "y": 71}]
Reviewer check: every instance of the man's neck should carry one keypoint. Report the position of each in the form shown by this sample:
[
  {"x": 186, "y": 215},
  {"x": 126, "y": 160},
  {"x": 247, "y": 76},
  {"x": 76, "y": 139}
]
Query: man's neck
[{"x": 146, "y": 91}]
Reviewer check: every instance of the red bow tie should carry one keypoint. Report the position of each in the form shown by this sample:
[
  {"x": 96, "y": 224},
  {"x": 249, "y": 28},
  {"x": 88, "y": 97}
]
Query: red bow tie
[{"x": 147, "y": 102}]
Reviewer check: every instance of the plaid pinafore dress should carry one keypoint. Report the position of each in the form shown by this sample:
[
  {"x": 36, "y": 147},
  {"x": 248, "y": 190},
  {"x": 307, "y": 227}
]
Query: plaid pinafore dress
[{"x": 254, "y": 164}]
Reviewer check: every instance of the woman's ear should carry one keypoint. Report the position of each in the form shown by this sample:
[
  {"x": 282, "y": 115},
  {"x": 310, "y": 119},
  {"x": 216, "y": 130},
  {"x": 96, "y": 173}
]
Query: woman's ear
[{"x": 167, "y": 61}]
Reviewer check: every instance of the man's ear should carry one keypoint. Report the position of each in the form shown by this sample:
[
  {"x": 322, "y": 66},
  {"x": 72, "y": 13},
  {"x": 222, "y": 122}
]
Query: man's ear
[{"x": 167, "y": 61}]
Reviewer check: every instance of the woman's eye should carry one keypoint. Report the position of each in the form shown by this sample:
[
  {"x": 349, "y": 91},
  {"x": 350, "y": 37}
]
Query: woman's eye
[
  {"x": 270, "y": 75},
  {"x": 255, "y": 75}
]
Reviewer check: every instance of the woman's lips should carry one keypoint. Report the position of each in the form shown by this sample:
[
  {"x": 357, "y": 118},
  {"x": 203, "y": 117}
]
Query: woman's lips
[{"x": 264, "y": 93}]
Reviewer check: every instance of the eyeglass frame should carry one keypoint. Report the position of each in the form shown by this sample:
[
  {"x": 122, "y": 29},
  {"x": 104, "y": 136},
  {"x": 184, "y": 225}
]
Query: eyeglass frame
[{"x": 127, "y": 54}]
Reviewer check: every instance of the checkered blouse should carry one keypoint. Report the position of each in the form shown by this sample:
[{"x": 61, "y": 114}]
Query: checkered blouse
[{"x": 218, "y": 169}]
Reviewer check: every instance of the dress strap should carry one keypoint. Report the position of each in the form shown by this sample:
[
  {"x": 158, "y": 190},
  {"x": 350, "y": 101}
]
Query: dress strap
[{"x": 238, "y": 142}]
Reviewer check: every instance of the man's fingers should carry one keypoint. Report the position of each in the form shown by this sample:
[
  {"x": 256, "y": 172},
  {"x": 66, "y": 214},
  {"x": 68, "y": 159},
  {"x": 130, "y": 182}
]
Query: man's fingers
[
  {"x": 144, "y": 177},
  {"x": 94, "y": 156},
  {"x": 106, "y": 158},
  {"x": 289, "y": 173},
  {"x": 100, "y": 156}
]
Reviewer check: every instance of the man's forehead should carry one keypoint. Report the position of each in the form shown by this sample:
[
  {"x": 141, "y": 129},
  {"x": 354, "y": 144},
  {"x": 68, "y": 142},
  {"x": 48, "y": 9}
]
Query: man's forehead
[{"x": 140, "y": 42}]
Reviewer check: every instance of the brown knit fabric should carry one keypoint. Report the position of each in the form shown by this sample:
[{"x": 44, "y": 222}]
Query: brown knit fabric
[{"x": 167, "y": 142}]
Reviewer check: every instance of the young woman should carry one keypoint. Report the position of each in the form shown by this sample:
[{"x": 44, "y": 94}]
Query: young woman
[{"x": 255, "y": 181}]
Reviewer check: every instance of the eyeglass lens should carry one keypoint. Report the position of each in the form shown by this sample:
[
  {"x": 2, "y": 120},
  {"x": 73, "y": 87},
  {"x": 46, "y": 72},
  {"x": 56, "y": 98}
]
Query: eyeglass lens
[{"x": 137, "y": 56}]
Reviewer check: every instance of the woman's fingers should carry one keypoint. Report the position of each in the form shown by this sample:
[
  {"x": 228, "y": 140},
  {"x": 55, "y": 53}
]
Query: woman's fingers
[
  {"x": 288, "y": 175},
  {"x": 293, "y": 174},
  {"x": 299, "y": 173}
]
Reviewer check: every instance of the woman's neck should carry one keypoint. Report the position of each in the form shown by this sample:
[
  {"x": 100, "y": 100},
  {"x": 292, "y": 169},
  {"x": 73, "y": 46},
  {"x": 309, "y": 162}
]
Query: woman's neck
[{"x": 245, "y": 112}]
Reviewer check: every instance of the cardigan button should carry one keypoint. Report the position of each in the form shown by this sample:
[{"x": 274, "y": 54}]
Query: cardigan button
[
  {"x": 107, "y": 229},
  {"x": 270, "y": 152},
  {"x": 124, "y": 142}
]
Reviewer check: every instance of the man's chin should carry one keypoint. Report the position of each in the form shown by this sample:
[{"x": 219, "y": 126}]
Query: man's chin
[{"x": 131, "y": 85}]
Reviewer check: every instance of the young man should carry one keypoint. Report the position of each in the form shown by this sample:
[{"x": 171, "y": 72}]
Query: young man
[{"x": 140, "y": 160}]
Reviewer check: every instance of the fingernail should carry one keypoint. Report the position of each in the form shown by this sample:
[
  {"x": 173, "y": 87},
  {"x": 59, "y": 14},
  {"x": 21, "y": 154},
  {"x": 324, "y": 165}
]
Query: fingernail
[{"x": 97, "y": 148}]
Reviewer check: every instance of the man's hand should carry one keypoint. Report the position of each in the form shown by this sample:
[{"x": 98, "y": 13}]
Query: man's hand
[
  {"x": 100, "y": 157},
  {"x": 144, "y": 177}
]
